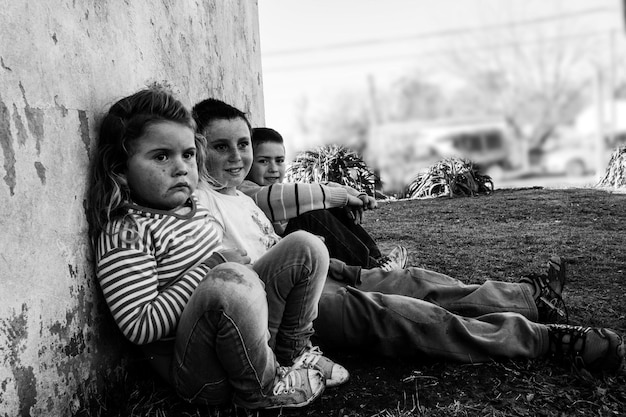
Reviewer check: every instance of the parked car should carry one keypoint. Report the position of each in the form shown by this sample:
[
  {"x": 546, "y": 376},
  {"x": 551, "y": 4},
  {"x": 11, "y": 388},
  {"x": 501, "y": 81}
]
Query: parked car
[
  {"x": 582, "y": 158},
  {"x": 570, "y": 161},
  {"x": 484, "y": 145}
]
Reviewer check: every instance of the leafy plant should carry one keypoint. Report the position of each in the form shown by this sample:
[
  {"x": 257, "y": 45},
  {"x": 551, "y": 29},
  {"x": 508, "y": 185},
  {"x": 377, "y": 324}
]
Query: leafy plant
[
  {"x": 453, "y": 177},
  {"x": 615, "y": 175},
  {"x": 332, "y": 163}
]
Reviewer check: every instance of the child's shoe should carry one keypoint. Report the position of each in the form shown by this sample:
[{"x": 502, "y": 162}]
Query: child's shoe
[
  {"x": 593, "y": 349},
  {"x": 292, "y": 388},
  {"x": 548, "y": 290},
  {"x": 312, "y": 358},
  {"x": 397, "y": 259}
]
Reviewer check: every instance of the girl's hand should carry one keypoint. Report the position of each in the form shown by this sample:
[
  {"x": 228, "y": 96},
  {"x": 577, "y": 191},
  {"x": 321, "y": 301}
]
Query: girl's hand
[
  {"x": 227, "y": 255},
  {"x": 235, "y": 255}
]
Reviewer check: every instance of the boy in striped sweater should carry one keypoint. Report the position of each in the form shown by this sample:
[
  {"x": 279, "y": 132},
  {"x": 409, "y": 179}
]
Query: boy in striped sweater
[{"x": 330, "y": 210}]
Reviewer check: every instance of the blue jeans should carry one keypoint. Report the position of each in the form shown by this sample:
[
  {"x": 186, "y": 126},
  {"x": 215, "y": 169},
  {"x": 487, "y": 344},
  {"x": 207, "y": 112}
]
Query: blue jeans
[
  {"x": 423, "y": 314},
  {"x": 236, "y": 328}
]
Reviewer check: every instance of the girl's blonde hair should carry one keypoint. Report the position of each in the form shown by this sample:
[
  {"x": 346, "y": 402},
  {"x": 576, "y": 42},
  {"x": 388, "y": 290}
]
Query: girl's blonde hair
[{"x": 126, "y": 121}]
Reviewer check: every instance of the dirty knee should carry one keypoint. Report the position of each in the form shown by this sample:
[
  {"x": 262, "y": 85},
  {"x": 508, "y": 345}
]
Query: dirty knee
[{"x": 230, "y": 285}]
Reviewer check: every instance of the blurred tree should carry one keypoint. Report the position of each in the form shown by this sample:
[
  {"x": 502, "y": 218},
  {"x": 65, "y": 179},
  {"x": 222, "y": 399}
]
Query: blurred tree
[
  {"x": 535, "y": 77},
  {"x": 413, "y": 97},
  {"x": 347, "y": 118},
  {"x": 533, "y": 95},
  {"x": 342, "y": 120}
]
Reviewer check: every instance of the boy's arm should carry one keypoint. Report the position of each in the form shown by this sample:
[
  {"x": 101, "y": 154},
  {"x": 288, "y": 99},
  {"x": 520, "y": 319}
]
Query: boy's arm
[
  {"x": 286, "y": 201},
  {"x": 369, "y": 203}
]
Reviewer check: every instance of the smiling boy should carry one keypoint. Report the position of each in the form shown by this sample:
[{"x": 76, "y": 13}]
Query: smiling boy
[{"x": 268, "y": 166}]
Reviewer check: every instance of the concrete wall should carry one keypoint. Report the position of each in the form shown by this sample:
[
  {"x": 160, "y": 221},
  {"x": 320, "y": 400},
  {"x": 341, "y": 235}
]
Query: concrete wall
[{"x": 62, "y": 64}]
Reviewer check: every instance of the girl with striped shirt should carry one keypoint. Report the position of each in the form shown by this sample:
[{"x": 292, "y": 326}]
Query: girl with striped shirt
[{"x": 200, "y": 312}]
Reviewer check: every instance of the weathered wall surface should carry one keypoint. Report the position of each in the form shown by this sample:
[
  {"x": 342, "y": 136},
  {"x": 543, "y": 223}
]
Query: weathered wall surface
[{"x": 62, "y": 63}]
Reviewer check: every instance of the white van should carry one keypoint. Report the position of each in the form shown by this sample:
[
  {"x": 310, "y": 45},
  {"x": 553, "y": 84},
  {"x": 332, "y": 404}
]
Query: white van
[{"x": 402, "y": 150}]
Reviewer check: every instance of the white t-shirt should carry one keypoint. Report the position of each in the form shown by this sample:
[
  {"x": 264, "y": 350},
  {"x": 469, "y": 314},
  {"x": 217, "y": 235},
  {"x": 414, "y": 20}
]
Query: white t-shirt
[{"x": 245, "y": 225}]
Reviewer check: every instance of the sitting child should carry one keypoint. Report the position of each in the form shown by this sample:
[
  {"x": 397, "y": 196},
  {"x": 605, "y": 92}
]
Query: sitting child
[{"x": 332, "y": 211}]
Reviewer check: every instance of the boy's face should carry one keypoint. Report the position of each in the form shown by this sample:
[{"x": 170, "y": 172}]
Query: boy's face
[
  {"x": 268, "y": 165},
  {"x": 229, "y": 152}
]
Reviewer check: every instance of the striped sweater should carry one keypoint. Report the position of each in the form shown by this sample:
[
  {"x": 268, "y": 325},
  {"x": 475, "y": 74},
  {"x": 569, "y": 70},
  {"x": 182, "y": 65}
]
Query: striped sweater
[
  {"x": 282, "y": 202},
  {"x": 149, "y": 263}
]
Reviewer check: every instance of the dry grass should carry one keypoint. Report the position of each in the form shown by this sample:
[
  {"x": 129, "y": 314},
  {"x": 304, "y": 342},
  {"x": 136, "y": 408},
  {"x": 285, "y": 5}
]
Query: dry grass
[{"x": 502, "y": 237}]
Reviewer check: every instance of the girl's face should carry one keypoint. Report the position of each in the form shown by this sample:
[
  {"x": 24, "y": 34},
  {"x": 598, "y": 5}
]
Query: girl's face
[
  {"x": 161, "y": 171},
  {"x": 269, "y": 164},
  {"x": 229, "y": 152}
]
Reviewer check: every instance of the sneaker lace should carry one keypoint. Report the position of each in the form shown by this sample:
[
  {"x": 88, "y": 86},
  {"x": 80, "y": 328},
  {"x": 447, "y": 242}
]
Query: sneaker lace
[
  {"x": 572, "y": 348},
  {"x": 598, "y": 349},
  {"x": 385, "y": 263},
  {"x": 552, "y": 300},
  {"x": 552, "y": 304},
  {"x": 308, "y": 359},
  {"x": 287, "y": 381},
  {"x": 389, "y": 264}
]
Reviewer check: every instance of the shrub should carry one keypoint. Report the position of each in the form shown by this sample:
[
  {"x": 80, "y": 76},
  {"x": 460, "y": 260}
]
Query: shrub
[
  {"x": 332, "y": 163},
  {"x": 451, "y": 177}
]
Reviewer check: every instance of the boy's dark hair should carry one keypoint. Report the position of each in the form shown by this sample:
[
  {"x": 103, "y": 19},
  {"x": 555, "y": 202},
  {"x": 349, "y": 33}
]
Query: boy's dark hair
[
  {"x": 265, "y": 134},
  {"x": 213, "y": 109}
]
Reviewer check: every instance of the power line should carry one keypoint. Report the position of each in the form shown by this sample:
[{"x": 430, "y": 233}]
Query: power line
[
  {"x": 439, "y": 34},
  {"x": 405, "y": 57}
]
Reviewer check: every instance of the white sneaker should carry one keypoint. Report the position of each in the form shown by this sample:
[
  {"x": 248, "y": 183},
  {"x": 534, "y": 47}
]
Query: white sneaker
[
  {"x": 292, "y": 388},
  {"x": 312, "y": 358},
  {"x": 397, "y": 259}
]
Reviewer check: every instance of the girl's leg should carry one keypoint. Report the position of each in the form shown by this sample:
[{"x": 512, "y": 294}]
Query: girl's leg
[
  {"x": 294, "y": 272},
  {"x": 222, "y": 340},
  {"x": 469, "y": 300},
  {"x": 396, "y": 325}
]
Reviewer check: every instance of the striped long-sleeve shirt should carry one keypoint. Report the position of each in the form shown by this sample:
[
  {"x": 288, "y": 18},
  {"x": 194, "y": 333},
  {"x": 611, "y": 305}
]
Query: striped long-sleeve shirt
[
  {"x": 149, "y": 264},
  {"x": 281, "y": 202}
]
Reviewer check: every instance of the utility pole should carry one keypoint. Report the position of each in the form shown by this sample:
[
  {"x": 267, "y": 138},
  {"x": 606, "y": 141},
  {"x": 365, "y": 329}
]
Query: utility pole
[{"x": 376, "y": 116}]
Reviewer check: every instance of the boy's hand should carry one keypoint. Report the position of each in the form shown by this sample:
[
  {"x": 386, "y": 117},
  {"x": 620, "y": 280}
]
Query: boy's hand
[
  {"x": 355, "y": 209},
  {"x": 354, "y": 202},
  {"x": 369, "y": 203}
]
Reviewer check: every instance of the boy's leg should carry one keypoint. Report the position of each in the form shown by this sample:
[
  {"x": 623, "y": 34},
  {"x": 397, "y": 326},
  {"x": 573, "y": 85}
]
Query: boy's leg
[
  {"x": 469, "y": 300},
  {"x": 222, "y": 339},
  {"x": 342, "y": 215},
  {"x": 396, "y": 325},
  {"x": 341, "y": 242},
  {"x": 294, "y": 272}
]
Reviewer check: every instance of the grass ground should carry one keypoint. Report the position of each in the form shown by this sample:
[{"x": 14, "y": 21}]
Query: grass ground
[{"x": 501, "y": 236}]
